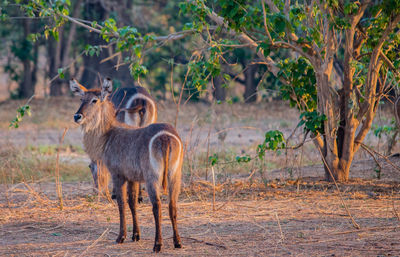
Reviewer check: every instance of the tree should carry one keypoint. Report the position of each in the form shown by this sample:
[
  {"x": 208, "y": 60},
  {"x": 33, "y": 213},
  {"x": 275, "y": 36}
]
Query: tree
[
  {"x": 22, "y": 50},
  {"x": 59, "y": 50},
  {"x": 361, "y": 36},
  {"x": 27, "y": 52}
]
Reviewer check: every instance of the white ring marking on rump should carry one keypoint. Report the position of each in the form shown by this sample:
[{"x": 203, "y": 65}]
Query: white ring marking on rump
[
  {"x": 153, "y": 161},
  {"x": 139, "y": 96}
]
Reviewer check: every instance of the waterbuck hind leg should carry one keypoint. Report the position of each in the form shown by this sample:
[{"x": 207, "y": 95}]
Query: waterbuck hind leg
[
  {"x": 120, "y": 191},
  {"x": 133, "y": 191},
  {"x": 154, "y": 195},
  {"x": 174, "y": 189}
]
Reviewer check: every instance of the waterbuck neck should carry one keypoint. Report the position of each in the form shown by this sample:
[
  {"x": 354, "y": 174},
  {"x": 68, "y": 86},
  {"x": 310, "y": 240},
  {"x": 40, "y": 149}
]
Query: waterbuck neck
[{"x": 95, "y": 129}]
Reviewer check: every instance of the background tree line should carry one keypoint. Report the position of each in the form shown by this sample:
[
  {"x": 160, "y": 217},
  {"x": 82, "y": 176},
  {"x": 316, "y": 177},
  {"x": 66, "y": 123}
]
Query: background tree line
[{"x": 63, "y": 50}]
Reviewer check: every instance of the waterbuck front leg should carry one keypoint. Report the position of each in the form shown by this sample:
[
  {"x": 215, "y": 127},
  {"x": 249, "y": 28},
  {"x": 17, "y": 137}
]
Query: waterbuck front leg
[
  {"x": 120, "y": 192},
  {"x": 140, "y": 198},
  {"x": 133, "y": 191},
  {"x": 93, "y": 170},
  {"x": 154, "y": 195}
]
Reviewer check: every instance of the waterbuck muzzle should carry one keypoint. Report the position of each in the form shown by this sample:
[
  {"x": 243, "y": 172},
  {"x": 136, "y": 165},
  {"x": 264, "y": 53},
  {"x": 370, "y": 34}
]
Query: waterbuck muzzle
[{"x": 78, "y": 118}]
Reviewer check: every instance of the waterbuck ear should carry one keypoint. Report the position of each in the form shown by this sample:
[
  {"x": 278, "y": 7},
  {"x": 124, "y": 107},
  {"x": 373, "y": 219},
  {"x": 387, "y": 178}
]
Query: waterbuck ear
[
  {"x": 76, "y": 88},
  {"x": 106, "y": 89}
]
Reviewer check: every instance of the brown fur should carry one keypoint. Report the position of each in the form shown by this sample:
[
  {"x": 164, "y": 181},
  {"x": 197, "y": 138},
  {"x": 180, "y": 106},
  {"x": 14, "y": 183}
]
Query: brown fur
[
  {"x": 165, "y": 173},
  {"x": 152, "y": 154},
  {"x": 142, "y": 111}
]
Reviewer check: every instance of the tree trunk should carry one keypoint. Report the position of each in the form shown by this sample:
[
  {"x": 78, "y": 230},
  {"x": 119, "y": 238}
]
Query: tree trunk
[
  {"x": 93, "y": 69},
  {"x": 54, "y": 49},
  {"x": 219, "y": 92},
  {"x": 333, "y": 145},
  {"x": 58, "y": 52},
  {"x": 250, "y": 92},
  {"x": 339, "y": 130},
  {"x": 27, "y": 87}
]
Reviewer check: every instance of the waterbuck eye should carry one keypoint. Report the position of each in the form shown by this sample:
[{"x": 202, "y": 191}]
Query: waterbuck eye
[{"x": 94, "y": 100}]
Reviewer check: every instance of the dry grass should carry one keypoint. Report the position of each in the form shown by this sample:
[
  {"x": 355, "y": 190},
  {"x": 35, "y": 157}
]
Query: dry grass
[
  {"x": 37, "y": 163},
  {"x": 281, "y": 221}
]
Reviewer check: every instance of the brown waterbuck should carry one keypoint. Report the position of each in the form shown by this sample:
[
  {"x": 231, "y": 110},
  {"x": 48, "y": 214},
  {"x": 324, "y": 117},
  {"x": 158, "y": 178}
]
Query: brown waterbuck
[
  {"x": 152, "y": 155},
  {"x": 135, "y": 107}
]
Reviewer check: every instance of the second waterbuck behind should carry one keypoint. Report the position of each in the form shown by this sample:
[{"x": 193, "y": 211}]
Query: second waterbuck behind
[{"x": 152, "y": 155}]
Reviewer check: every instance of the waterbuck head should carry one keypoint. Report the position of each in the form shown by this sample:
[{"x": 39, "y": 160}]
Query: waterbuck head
[{"x": 95, "y": 106}]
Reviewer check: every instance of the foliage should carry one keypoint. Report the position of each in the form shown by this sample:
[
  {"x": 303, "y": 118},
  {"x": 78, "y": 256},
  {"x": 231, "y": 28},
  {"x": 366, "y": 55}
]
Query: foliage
[
  {"x": 300, "y": 89},
  {"x": 313, "y": 121},
  {"x": 273, "y": 141},
  {"x": 343, "y": 48},
  {"x": 387, "y": 130},
  {"x": 21, "y": 111}
]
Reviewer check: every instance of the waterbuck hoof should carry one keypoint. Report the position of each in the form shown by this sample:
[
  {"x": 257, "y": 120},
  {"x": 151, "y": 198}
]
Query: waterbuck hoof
[
  {"x": 140, "y": 199},
  {"x": 135, "y": 237},
  {"x": 178, "y": 245},
  {"x": 157, "y": 248},
  {"x": 114, "y": 196},
  {"x": 120, "y": 239}
]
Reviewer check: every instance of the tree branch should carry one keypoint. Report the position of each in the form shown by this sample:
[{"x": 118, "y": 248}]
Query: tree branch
[
  {"x": 170, "y": 37},
  {"x": 272, "y": 6},
  {"x": 265, "y": 22}
]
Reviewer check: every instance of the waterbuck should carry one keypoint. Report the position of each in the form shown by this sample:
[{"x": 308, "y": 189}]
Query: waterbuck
[
  {"x": 135, "y": 107},
  {"x": 152, "y": 155}
]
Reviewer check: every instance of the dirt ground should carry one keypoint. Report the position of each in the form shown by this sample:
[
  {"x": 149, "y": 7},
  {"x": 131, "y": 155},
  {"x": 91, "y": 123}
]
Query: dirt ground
[
  {"x": 285, "y": 218},
  {"x": 286, "y": 211}
]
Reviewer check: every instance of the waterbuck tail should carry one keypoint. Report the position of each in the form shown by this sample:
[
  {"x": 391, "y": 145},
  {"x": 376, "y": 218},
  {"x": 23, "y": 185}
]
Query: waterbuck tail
[{"x": 166, "y": 151}]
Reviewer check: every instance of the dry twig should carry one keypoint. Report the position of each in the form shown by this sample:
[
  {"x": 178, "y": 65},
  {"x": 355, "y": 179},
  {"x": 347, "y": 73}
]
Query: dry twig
[
  {"x": 95, "y": 242},
  {"x": 355, "y": 224},
  {"x": 57, "y": 175}
]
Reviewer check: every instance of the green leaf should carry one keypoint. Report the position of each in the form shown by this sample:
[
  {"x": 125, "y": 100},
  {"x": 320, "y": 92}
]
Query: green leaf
[
  {"x": 213, "y": 159},
  {"x": 60, "y": 73},
  {"x": 226, "y": 76}
]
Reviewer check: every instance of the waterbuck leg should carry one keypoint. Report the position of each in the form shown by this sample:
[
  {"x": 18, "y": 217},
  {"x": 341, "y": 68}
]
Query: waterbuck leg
[
  {"x": 140, "y": 198},
  {"x": 120, "y": 191},
  {"x": 133, "y": 191},
  {"x": 93, "y": 170},
  {"x": 174, "y": 189},
  {"x": 154, "y": 196}
]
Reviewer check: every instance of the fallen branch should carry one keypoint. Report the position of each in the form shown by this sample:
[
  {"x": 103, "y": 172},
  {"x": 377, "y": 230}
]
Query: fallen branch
[
  {"x": 380, "y": 155},
  {"x": 364, "y": 230},
  {"x": 204, "y": 242},
  {"x": 57, "y": 172},
  {"x": 373, "y": 156},
  {"x": 355, "y": 224},
  {"x": 95, "y": 242}
]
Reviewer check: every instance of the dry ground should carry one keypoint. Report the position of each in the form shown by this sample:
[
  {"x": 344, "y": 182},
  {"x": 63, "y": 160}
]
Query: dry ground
[
  {"x": 283, "y": 208},
  {"x": 304, "y": 219}
]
